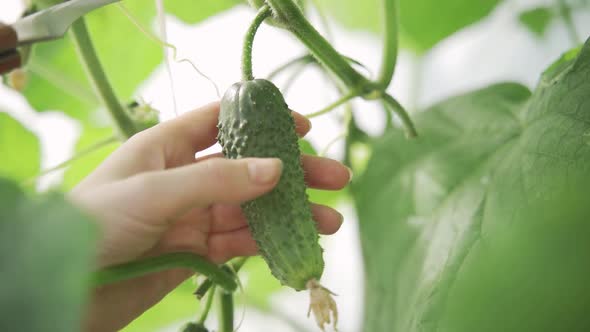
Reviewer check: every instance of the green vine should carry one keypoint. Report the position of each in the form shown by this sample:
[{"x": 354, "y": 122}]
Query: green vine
[
  {"x": 165, "y": 262},
  {"x": 398, "y": 109},
  {"x": 289, "y": 14},
  {"x": 263, "y": 14},
  {"x": 208, "y": 283},
  {"x": 334, "y": 105},
  {"x": 99, "y": 80},
  {"x": 207, "y": 308},
  {"x": 390, "y": 44},
  {"x": 226, "y": 311}
]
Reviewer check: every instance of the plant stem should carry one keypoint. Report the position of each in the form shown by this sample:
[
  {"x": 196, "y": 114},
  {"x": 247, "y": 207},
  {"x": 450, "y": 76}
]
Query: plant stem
[
  {"x": 401, "y": 112},
  {"x": 308, "y": 59},
  {"x": 95, "y": 147},
  {"x": 390, "y": 44},
  {"x": 566, "y": 15},
  {"x": 165, "y": 262},
  {"x": 99, "y": 80},
  {"x": 288, "y": 12},
  {"x": 207, "y": 308},
  {"x": 323, "y": 19},
  {"x": 226, "y": 311},
  {"x": 206, "y": 285},
  {"x": 263, "y": 13},
  {"x": 331, "y": 143},
  {"x": 303, "y": 60},
  {"x": 332, "y": 106}
]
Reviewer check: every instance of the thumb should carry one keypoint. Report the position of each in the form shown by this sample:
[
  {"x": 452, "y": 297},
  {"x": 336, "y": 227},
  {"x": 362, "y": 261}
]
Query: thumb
[{"x": 168, "y": 193}]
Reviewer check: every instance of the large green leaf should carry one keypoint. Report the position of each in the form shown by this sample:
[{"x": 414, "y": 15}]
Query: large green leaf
[
  {"x": 46, "y": 250},
  {"x": 57, "y": 79},
  {"x": 192, "y": 11},
  {"x": 423, "y": 22},
  {"x": 481, "y": 224},
  {"x": 20, "y": 150}
]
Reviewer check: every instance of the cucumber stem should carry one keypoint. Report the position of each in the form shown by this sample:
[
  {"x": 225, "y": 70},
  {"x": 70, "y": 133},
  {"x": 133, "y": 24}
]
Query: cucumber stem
[
  {"x": 99, "y": 80},
  {"x": 263, "y": 13},
  {"x": 289, "y": 13},
  {"x": 390, "y": 44},
  {"x": 165, "y": 262}
]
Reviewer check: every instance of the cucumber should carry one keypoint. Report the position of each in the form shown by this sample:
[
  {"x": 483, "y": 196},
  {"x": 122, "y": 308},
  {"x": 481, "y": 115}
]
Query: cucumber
[{"x": 255, "y": 121}]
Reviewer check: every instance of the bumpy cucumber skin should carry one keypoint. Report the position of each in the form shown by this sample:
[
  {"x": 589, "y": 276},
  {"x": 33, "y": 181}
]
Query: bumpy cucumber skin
[{"x": 255, "y": 121}]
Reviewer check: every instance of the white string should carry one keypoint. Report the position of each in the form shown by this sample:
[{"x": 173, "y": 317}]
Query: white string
[
  {"x": 170, "y": 46},
  {"x": 161, "y": 15}
]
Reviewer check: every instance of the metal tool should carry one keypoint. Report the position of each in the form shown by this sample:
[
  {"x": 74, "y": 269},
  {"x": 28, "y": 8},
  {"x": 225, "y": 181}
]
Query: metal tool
[{"x": 49, "y": 24}]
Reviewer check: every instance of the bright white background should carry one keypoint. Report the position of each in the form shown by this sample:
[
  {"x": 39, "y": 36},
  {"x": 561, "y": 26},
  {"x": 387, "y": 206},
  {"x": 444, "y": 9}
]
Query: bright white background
[{"x": 496, "y": 49}]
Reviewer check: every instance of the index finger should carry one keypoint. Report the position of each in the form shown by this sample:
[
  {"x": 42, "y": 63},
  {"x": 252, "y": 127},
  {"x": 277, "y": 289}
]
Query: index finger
[{"x": 196, "y": 130}]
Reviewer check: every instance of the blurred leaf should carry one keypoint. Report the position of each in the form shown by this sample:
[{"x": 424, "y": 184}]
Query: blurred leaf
[
  {"x": 178, "y": 306},
  {"x": 423, "y": 22},
  {"x": 46, "y": 250},
  {"x": 58, "y": 81},
  {"x": 537, "y": 20},
  {"x": 20, "y": 150},
  {"x": 481, "y": 224},
  {"x": 85, "y": 165},
  {"x": 193, "y": 12},
  {"x": 260, "y": 284}
]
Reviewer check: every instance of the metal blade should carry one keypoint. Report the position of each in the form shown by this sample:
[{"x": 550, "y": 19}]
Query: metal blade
[{"x": 54, "y": 22}]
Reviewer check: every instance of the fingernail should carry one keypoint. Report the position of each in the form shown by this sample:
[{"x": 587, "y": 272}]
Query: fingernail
[
  {"x": 341, "y": 216},
  {"x": 308, "y": 122},
  {"x": 350, "y": 174},
  {"x": 264, "y": 171}
]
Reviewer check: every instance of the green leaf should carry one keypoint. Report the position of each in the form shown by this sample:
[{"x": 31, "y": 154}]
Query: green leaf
[
  {"x": 537, "y": 20},
  {"x": 46, "y": 250},
  {"x": 481, "y": 224},
  {"x": 57, "y": 80},
  {"x": 20, "y": 150},
  {"x": 86, "y": 164},
  {"x": 193, "y": 12},
  {"x": 423, "y": 23}
]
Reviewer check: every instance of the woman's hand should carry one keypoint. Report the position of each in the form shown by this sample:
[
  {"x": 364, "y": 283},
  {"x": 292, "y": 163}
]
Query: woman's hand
[{"x": 152, "y": 196}]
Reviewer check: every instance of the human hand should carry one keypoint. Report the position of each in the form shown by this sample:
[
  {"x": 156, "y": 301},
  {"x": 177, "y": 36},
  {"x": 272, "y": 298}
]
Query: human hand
[{"x": 152, "y": 197}]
